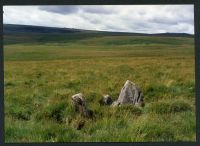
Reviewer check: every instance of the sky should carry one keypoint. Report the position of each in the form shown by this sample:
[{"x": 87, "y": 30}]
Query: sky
[{"x": 120, "y": 18}]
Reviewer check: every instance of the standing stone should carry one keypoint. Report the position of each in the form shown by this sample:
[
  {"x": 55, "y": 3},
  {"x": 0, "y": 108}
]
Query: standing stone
[
  {"x": 80, "y": 105},
  {"x": 130, "y": 94}
]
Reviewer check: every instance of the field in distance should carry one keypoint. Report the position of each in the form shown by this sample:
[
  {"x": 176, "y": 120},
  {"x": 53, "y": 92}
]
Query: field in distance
[{"x": 44, "y": 67}]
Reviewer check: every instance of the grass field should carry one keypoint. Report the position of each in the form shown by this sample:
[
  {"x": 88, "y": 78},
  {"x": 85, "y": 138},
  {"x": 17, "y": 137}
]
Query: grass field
[{"x": 41, "y": 76}]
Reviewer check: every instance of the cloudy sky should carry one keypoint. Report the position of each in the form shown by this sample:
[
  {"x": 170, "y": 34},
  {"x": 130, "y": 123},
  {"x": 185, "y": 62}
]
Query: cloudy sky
[{"x": 124, "y": 18}]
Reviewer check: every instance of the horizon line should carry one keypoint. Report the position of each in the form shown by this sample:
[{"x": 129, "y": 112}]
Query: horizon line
[{"x": 98, "y": 30}]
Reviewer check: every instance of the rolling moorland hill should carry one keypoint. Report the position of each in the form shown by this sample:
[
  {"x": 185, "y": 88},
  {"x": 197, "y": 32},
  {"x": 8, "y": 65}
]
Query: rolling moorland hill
[{"x": 32, "y": 34}]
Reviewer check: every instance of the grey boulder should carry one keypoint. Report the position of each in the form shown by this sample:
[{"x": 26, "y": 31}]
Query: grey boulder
[{"x": 130, "y": 94}]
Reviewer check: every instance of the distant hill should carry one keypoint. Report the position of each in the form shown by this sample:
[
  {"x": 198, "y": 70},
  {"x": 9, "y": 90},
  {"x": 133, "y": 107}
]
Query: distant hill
[
  {"x": 40, "y": 34},
  {"x": 11, "y": 28}
]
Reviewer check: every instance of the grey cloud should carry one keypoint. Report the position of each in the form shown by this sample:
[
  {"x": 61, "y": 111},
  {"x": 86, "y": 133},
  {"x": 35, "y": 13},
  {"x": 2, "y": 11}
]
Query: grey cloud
[
  {"x": 96, "y": 10},
  {"x": 142, "y": 24},
  {"x": 91, "y": 19},
  {"x": 163, "y": 20},
  {"x": 60, "y": 9},
  {"x": 94, "y": 21},
  {"x": 73, "y": 9},
  {"x": 171, "y": 20}
]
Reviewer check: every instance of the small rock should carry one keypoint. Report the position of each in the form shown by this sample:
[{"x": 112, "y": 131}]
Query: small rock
[{"x": 107, "y": 100}]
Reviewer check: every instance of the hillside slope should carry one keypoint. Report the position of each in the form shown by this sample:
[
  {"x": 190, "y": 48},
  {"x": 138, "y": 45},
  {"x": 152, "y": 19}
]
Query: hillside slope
[{"x": 39, "y": 34}]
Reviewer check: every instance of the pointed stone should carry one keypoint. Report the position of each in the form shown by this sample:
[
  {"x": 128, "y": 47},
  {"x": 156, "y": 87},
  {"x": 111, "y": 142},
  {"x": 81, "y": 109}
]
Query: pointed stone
[{"x": 130, "y": 94}]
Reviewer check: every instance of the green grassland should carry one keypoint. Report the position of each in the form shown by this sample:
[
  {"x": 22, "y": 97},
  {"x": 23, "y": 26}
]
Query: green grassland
[{"x": 41, "y": 75}]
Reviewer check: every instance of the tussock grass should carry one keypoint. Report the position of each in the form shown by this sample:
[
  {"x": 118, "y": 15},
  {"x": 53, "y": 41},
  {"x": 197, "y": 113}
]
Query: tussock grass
[{"x": 171, "y": 106}]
